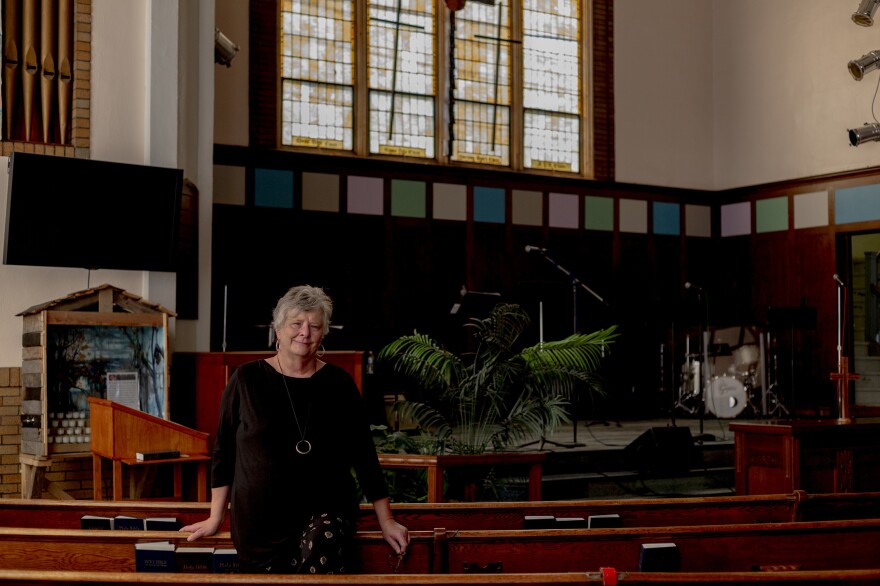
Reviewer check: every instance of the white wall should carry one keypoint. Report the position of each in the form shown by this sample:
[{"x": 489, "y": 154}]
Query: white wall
[
  {"x": 719, "y": 94},
  {"x": 663, "y": 92},
  {"x": 231, "y": 122}
]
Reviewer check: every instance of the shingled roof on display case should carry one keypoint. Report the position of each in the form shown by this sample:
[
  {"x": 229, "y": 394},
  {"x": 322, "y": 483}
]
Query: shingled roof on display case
[{"x": 104, "y": 298}]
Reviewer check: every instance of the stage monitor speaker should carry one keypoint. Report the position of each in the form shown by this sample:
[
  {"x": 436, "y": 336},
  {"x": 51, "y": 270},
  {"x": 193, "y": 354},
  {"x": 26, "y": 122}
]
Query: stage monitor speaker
[{"x": 662, "y": 451}]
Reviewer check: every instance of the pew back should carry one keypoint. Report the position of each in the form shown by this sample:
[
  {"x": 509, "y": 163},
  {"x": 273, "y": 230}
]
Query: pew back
[
  {"x": 821, "y": 545},
  {"x": 65, "y": 514},
  {"x": 835, "y": 578}
]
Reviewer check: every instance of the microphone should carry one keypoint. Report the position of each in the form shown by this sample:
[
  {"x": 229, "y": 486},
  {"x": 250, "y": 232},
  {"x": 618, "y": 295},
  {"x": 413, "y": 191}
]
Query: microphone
[
  {"x": 690, "y": 285},
  {"x": 837, "y": 278},
  {"x": 530, "y": 248}
]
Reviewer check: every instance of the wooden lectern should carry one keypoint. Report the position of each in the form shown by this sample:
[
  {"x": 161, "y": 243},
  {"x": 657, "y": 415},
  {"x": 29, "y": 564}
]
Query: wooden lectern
[{"x": 119, "y": 432}]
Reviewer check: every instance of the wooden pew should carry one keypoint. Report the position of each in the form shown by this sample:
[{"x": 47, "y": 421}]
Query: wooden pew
[
  {"x": 820, "y": 545},
  {"x": 798, "y": 506},
  {"x": 65, "y": 514},
  {"x": 835, "y": 578},
  {"x": 113, "y": 551}
]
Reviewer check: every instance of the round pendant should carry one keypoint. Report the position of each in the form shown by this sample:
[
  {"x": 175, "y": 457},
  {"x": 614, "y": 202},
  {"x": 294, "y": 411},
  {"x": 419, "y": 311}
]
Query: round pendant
[{"x": 303, "y": 447}]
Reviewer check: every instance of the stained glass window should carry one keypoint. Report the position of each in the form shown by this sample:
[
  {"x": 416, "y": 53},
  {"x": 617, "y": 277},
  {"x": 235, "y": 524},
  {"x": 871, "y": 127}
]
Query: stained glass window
[
  {"x": 551, "y": 85},
  {"x": 401, "y": 77},
  {"x": 317, "y": 73},
  {"x": 511, "y": 74},
  {"x": 481, "y": 94}
]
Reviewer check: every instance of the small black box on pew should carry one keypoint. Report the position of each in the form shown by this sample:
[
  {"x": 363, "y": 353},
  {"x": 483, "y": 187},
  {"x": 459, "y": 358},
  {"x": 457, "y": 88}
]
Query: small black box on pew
[
  {"x": 154, "y": 556},
  {"x": 539, "y": 522},
  {"x": 609, "y": 521},
  {"x": 161, "y": 524},
  {"x": 659, "y": 557},
  {"x": 198, "y": 560},
  {"x": 95, "y": 522},
  {"x": 571, "y": 523},
  {"x": 128, "y": 523},
  {"x": 226, "y": 560}
]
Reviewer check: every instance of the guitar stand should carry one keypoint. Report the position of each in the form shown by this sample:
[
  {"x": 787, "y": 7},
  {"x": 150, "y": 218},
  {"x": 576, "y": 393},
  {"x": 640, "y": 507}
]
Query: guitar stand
[{"x": 773, "y": 399}]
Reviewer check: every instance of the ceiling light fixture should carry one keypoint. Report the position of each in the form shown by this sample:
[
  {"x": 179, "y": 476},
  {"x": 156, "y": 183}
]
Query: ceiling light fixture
[
  {"x": 867, "y": 133},
  {"x": 864, "y": 16},
  {"x": 864, "y": 64},
  {"x": 225, "y": 50}
]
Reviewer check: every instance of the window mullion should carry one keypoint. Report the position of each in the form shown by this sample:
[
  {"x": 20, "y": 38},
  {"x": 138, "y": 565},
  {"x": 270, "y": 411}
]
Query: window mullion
[
  {"x": 516, "y": 83},
  {"x": 362, "y": 87}
]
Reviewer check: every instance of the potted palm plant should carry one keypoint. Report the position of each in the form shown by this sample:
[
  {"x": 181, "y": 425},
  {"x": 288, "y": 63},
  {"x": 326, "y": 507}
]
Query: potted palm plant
[{"x": 500, "y": 393}]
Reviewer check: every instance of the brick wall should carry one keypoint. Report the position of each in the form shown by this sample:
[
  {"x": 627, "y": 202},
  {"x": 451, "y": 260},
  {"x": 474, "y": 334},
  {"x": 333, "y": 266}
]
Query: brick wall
[
  {"x": 10, "y": 436},
  {"x": 72, "y": 475}
]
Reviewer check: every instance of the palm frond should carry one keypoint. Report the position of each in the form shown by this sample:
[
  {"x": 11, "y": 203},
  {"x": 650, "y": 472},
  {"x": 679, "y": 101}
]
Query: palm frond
[
  {"x": 497, "y": 394},
  {"x": 420, "y": 357}
]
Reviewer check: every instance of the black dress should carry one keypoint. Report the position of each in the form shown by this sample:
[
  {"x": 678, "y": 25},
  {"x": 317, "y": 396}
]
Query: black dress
[{"x": 274, "y": 490}]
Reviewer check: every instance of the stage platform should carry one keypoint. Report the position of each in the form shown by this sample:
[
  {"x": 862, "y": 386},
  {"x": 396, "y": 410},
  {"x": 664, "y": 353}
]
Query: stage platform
[{"x": 638, "y": 459}]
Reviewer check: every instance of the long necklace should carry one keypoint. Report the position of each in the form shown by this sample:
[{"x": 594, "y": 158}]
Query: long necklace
[{"x": 303, "y": 446}]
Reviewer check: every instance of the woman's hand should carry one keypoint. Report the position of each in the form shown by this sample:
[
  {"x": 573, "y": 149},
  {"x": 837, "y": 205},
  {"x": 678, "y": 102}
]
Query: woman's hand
[
  {"x": 201, "y": 529},
  {"x": 395, "y": 534}
]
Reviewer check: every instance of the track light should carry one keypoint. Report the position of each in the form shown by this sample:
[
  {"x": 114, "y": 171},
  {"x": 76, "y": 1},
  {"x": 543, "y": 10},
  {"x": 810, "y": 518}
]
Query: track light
[
  {"x": 867, "y": 133},
  {"x": 864, "y": 16},
  {"x": 225, "y": 50},
  {"x": 864, "y": 64}
]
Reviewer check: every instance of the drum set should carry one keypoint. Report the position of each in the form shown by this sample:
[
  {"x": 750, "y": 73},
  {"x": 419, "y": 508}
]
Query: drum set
[{"x": 728, "y": 395}]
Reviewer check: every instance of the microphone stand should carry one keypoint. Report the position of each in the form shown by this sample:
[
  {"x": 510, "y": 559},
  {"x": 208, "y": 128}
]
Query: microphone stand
[
  {"x": 575, "y": 283},
  {"x": 707, "y": 375}
]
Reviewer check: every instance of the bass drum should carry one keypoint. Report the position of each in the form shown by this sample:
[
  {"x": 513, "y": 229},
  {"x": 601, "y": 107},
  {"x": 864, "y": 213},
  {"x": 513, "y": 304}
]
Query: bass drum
[{"x": 726, "y": 397}]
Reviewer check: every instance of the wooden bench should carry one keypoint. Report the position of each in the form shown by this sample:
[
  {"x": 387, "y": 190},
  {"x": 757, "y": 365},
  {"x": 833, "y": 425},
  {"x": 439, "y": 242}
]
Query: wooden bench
[
  {"x": 814, "y": 546},
  {"x": 821, "y": 545},
  {"x": 820, "y": 578},
  {"x": 65, "y": 514}
]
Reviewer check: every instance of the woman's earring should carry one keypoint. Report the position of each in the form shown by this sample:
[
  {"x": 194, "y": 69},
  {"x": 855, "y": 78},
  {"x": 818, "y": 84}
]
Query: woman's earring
[{"x": 321, "y": 351}]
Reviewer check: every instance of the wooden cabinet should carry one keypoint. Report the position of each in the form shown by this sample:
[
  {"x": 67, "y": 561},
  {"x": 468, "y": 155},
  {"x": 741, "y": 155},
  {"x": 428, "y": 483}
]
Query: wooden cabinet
[
  {"x": 101, "y": 342},
  {"x": 818, "y": 456},
  {"x": 208, "y": 372}
]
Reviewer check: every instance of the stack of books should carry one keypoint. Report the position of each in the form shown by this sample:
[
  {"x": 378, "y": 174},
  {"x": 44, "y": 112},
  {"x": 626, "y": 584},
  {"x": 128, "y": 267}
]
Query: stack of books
[
  {"x": 125, "y": 522},
  {"x": 165, "y": 556}
]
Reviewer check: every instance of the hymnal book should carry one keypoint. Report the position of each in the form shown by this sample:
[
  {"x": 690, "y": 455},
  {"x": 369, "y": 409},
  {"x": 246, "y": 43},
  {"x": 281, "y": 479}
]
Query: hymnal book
[
  {"x": 125, "y": 522},
  {"x": 161, "y": 524},
  {"x": 194, "y": 559},
  {"x": 539, "y": 522},
  {"x": 226, "y": 560},
  {"x": 95, "y": 522},
  {"x": 157, "y": 455},
  {"x": 659, "y": 557},
  {"x": 154, "y": 556},
  {"x": 571, "y": 523},
  {"x": 609, "y": 521}
]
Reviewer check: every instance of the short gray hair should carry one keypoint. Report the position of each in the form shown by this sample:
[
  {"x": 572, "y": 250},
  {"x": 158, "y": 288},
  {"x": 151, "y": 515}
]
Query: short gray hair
[{"x": 302, "y": 298}]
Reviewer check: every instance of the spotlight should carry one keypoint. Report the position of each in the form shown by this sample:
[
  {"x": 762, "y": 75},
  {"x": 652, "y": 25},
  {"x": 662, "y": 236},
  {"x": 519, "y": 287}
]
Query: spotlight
[
  {"x": 867, "y": 133},
  {"x": 864, "y": 16},
  {"x": 225, "y": 50},
  {"x": 864, "y": 64}
]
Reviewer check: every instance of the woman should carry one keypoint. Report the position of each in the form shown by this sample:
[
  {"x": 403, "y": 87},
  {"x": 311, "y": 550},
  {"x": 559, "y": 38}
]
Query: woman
[{"x": 291, "y": 429}]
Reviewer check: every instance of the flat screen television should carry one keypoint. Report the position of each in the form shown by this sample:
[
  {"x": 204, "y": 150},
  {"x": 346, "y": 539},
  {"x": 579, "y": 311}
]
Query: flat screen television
[{"x": 84, "y": 213}]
